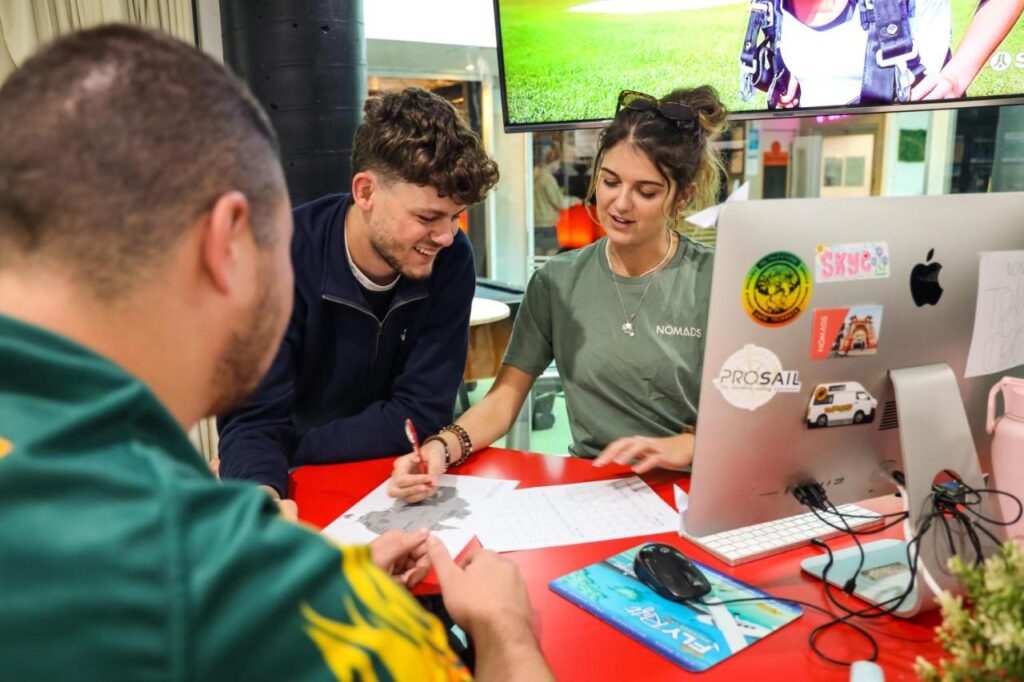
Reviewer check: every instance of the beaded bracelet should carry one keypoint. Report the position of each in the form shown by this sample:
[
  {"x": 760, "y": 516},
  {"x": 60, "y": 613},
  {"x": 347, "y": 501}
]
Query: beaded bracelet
[
  {"x": 464, "y": 442},
  {"x": 444, "y": 444}
]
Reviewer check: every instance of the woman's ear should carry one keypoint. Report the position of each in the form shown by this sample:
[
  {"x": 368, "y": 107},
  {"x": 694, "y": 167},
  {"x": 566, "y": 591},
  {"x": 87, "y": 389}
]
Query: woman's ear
[{"x": 685, "y": 197}]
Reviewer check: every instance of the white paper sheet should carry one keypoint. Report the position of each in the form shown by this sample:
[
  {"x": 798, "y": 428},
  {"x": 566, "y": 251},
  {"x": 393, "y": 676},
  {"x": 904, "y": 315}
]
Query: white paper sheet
[
  {"x": 998, "y": 340},
  {"x": 452, "y": 514},
  {"x": 556, "y": 515},
  {"x": 709, "y": 216}
]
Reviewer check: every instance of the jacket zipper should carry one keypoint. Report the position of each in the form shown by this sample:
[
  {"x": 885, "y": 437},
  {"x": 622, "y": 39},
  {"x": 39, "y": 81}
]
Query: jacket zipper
[{"x": 380, "y": 323}]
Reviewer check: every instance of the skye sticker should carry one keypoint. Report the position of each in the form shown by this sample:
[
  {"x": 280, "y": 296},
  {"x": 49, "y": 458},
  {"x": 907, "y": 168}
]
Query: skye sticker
[
  {"x": 777, "y": 289},
  {"x": 752, "y": 376},
  {"x": 848, "y": 262},
  {"x": 840, "y": 403},
  {"x": 846, "y": 332}
]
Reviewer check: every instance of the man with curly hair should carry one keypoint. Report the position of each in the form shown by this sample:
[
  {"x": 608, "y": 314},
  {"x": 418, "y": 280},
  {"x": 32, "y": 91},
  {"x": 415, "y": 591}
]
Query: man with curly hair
[{"x": 384, "y": 282}]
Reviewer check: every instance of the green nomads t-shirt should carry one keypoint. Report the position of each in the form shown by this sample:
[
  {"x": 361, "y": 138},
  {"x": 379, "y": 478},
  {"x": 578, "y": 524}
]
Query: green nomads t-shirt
[{"x": 618, "y": 385}]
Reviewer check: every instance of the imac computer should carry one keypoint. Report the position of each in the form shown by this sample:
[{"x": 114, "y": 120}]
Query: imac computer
[{"x": 836, "y": 345}]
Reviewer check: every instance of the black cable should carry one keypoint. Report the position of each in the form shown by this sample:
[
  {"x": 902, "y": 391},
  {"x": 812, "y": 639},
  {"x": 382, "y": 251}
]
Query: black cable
[
  {"x": 941, "y": 507},
  {"x": 945, "y": 505},
  {"x": 836, "y": 621},
  {"x": 991, "y": 491},
  {"x": 872, "y": 610},
  {"x": 953, "y": 504},
  {"x": 900, "y": 516},
  {"x": 877, "y": 610}
]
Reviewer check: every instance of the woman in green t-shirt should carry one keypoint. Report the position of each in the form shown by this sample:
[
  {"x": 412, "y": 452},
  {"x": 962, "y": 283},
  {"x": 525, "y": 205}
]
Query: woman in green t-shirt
[{"x": 623, "y": 318}]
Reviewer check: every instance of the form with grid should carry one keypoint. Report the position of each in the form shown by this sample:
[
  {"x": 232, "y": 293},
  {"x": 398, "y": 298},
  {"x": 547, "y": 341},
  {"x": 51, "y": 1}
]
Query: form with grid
[{"x": 741, "y": 545}]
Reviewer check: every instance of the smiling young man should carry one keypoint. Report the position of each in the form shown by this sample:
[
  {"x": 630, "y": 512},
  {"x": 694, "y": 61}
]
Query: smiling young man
[{"x": 384, "y": 282}]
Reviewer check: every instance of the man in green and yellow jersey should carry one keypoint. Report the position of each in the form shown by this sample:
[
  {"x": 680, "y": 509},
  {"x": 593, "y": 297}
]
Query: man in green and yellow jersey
[{"x": 145, "y": 282}]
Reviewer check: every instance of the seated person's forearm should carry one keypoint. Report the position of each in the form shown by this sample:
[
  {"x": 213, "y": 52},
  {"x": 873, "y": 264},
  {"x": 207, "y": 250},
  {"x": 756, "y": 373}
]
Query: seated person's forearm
[
  {"x": 509, "y": 652},
  {"x": 487, "y": 421},
  {"x": 494, "y": 415}
]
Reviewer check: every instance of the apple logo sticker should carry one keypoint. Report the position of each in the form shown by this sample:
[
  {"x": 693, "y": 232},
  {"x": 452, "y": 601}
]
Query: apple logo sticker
[{"x": 924, "y": 282}]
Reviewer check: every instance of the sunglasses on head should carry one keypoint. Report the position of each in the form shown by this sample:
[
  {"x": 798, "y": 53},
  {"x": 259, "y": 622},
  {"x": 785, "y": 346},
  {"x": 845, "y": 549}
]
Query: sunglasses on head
[{"x": 680, "y": 114}]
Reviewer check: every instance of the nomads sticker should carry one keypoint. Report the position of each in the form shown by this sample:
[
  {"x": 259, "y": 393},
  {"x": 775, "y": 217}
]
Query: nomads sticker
[
  {"x": 846, "y": 332},
  {"x": 752, "y": 376},
  {"x": 777, "y": 289}
]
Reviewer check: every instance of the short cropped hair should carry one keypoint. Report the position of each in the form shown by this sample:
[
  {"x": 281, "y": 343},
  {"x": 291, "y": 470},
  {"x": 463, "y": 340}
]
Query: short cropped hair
[
  {"x": 116, "y": 139},
  {"x": 418, "y": 137}
]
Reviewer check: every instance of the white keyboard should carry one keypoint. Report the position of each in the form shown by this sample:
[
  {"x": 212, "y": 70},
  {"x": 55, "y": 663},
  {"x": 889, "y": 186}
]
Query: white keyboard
[{"x": 741, "y": 545}]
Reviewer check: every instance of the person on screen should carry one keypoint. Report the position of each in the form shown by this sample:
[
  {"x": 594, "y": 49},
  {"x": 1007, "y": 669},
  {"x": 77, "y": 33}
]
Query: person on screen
[
  {"x": 823, "y": 48},
  {"x": 145, "y": 281},
  {"x": 383, "y": 291},
  {"x": 623, "y": 317}
]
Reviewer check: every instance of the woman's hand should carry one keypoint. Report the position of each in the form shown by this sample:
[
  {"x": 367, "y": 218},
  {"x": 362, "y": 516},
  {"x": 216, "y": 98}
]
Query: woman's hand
[
  {"x": 790, "y": 99},
  {"x": 943, "y": 86},
  {"x": 407, "y": 483},
  {"x": 644, "y": 453}
]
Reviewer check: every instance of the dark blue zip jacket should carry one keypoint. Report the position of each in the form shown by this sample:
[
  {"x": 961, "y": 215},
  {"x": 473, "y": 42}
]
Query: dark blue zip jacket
[{"x": 343, "y": 382}]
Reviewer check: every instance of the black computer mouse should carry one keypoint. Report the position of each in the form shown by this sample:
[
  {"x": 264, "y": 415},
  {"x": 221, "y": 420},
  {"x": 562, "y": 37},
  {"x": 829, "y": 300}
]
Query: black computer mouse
[{"x": 668, "y": 572}]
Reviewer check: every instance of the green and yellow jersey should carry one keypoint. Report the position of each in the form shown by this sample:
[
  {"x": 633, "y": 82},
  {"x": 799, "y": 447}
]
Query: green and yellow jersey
[{"x": 122, "y": 558}]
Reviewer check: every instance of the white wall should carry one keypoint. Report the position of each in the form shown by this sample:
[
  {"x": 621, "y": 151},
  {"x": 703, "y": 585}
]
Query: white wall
[
  {"x": 939, "y": 153},
  {"x": 210, "y": 40},
  {"x": 847, "y": 149},
  {"x": 934, "y": 174},
  {"x": 454, "y": 22},
  {"x": 509, "y": 238},
  {"x": 904, "y": 178}
]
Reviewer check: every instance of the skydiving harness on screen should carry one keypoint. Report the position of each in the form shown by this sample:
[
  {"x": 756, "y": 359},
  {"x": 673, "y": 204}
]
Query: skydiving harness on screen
[{"x": 891, "y": 62}]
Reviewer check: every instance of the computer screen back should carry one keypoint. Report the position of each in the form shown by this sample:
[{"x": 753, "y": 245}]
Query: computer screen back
[{"x": 811, "y": 305}]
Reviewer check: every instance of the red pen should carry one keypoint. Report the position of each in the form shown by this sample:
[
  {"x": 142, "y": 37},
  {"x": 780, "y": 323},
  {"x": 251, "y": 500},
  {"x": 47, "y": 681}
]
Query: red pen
[{"x": 410, "y": 433}]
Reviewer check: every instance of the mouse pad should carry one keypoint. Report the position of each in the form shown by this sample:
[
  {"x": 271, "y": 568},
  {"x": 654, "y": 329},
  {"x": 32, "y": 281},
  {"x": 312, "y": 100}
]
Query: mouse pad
[{"x": 693, "y": 635}]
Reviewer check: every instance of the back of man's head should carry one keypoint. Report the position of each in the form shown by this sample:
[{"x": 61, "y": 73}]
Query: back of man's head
[
  {"x": 113, "y": 141},
  {"x": 418, "y": 137}
]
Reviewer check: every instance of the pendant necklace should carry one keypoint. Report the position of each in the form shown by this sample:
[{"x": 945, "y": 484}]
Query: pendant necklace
[{"x": 628, "y": 328}]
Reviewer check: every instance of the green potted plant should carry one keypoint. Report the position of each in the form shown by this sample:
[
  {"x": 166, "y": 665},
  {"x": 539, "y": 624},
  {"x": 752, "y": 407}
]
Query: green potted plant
[{"x": 983, "y": 631}]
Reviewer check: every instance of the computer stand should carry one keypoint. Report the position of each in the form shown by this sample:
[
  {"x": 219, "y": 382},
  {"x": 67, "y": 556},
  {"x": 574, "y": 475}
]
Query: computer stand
[{"x": 934, "y": 437}]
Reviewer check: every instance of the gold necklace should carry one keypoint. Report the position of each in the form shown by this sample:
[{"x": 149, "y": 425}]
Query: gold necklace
[{"x": 627, "y": 328}]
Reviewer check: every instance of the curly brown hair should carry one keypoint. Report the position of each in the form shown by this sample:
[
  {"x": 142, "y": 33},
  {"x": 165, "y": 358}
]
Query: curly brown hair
[{"x": 418, "y": 137}]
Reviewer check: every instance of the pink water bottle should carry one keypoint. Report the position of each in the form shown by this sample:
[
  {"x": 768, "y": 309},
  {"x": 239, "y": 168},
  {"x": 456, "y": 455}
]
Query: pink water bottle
[{"x": 1008, "y": 449}]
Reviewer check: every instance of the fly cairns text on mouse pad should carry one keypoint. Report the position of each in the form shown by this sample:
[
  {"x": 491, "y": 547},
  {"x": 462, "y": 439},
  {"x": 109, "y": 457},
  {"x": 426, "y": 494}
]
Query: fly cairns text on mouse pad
[{"x": 693, "y": 634}]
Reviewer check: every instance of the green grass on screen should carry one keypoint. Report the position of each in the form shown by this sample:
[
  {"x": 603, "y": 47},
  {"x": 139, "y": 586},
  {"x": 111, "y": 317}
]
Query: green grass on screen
[{"x": 569, "y": 66}]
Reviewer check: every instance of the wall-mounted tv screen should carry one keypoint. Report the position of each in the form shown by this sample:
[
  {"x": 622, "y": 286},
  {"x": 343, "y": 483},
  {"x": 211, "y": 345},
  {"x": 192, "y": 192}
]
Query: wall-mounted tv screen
[{"x": 563, "y": 62}]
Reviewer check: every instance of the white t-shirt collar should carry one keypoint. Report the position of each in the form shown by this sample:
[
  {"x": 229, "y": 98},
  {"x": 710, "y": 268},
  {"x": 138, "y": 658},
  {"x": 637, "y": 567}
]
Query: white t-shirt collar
[{"x": 363, "y": 280}]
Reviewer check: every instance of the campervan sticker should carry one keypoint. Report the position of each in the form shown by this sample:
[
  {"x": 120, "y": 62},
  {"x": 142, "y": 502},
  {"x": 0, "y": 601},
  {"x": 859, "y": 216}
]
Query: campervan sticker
[
  {"x": 840, "y": 403},
  {"x": 849, "y": 262},
  {"x": 777, "y": 289},
  {"x": 846, "y": 332},
  {"x": 752, "y": 376}
]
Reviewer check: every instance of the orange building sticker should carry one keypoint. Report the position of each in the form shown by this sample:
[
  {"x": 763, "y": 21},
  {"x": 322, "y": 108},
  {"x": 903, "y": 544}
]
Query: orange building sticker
[{"x": 846, "y": 332}]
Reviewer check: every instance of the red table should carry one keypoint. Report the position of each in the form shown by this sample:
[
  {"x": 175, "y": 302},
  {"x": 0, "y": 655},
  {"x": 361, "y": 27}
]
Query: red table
[{"x": 582, "y": 647}]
